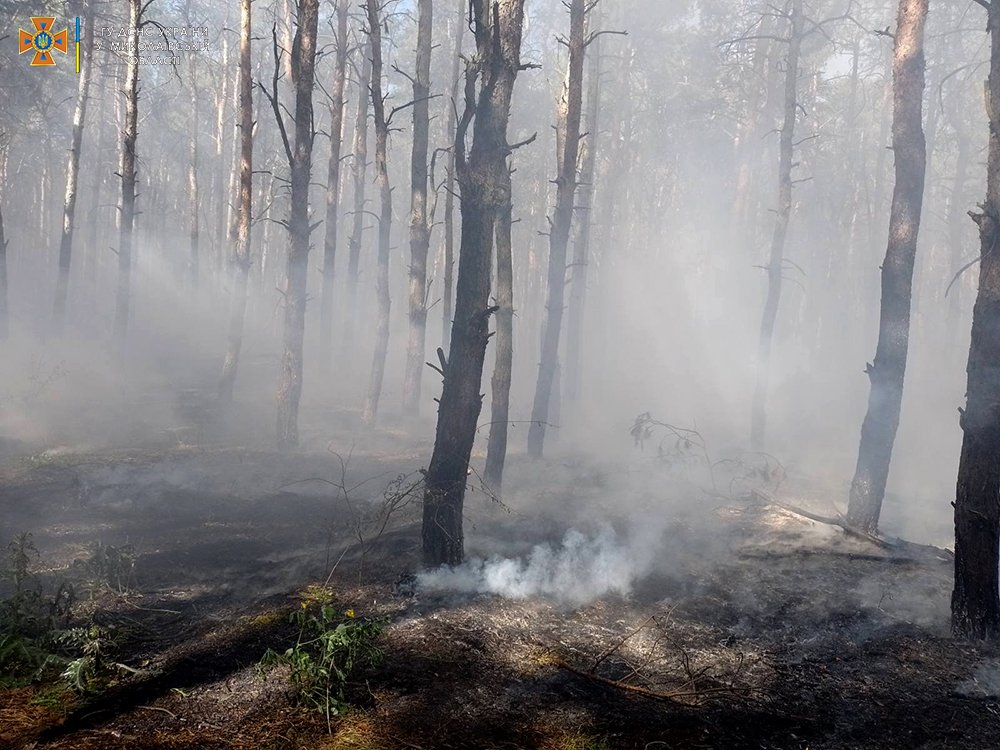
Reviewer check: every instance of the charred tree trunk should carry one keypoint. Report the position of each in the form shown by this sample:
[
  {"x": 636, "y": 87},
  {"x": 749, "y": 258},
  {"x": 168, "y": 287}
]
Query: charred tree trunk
[
  {"x": 878, "y": 432},
  {"x": 449, "y": 195},
  {"x": 776, "y": 262},
  {"x": 130, "y": 133},
  {"x": 975, "y": 602},
  {"x": 571, "y": 112},
  {"x": 370, "y": 409},
  {"x": 241, "y": 247},
  {"x": 581, "y": 245},
  {"x": 300, "y": 161},
  {"x": 359, "y": 166},
  {"x": 72, "y": 176},
  {"x": 482, "y": 178},
  {"x": 496, "y": 453},
  {"x": 333, "y": 186},
  {"x": 420, "y": 231}
]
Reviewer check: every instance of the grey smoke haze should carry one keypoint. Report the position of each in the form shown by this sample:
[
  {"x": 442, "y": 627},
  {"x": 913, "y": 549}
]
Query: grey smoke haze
[{"x": 578, "y": 570}]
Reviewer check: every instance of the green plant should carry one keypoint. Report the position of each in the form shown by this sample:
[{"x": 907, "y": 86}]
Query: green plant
[
  {"x": 29, "y": 620},
  {"x": 54, "y": 697},
  {"x": 94, "y": 668},
  {"x": 331, "y": 644},
  {"x": 108, "y": 567}
]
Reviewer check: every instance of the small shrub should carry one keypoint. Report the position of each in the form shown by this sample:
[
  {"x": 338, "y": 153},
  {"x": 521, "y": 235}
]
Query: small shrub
[
  {"x": 36, "y": 641},
  {"x": 331, "y": 645},
  {"x": 108, "y": 567},
  {"x": 29, "y": 619},
  {"x": 94, "y": 669}
]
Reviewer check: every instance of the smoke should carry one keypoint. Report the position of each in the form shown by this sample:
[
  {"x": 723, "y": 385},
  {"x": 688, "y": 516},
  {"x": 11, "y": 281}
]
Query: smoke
[{"x": 577, "y": 571}]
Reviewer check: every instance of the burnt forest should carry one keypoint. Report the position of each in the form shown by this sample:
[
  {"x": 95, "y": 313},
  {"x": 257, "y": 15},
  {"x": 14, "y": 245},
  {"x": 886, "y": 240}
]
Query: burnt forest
[{"x": 499, "y": 374}]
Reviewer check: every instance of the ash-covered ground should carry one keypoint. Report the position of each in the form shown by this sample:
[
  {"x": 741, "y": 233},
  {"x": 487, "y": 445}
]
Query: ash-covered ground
[{"x": 603, "y": 606}]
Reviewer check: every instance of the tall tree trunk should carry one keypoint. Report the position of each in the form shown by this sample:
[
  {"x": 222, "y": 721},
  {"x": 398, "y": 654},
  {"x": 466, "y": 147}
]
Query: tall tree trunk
[
  {"x": 449, "y": 195},
  {"x": 975, "y": 602},
  {"x": 241, "y": 247},
  {"x": 359, "y": 166},
  {"x": 194, "y": 204},
  {"x": 420, "y": 231},
  {"x": 220, "y": 190},
  {"x": 482, "y": 179},
  {"x": 4, "y": 318},
  {"x": 571, "y": 112},
  {"x": 303, "y": 64},
  {"x": 370, "y": 410},
  {"x": 333, "y": 186},
  {"x": 94, "y": 253},
  {"x": 581, "y": 245},
  {"x": 4, "y": 321},
  {"x": 45, "y": 192},
  {"x": 748, "y": 134},
  {"x": 776, "y": 263},
  {"x": 130, "y": 133},
  {"x": 878, "y": 432},
  {"x": 496, "y": 452},
  {"x": 72, "y": 175},
  {"x": 956, "y": 224}
]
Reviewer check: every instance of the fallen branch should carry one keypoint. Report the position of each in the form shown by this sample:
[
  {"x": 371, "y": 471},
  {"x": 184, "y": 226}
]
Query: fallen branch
[
  {"x": 838, "y": 521},
  {"x": 681, "y": 695}
]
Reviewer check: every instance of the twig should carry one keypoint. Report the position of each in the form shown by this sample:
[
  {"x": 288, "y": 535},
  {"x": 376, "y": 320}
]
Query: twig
[
  {"x": 672, "y": 696},
  {"x": 161, "y": 710}
]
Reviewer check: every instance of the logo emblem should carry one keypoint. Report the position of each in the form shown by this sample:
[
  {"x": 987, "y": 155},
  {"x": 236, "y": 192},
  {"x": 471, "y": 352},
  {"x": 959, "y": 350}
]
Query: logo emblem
[{"x": 42, "y": 41}]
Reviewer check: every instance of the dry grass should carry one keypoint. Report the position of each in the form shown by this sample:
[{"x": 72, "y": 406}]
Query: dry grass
[{"x": 24, "y": 712}]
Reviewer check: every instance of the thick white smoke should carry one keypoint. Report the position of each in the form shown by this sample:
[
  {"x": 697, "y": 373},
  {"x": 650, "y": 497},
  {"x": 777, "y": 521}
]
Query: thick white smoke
[{"x": 577, "y": 571}]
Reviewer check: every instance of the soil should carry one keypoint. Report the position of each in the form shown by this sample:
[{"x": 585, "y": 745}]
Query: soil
[{"x": 752, "y": 626}]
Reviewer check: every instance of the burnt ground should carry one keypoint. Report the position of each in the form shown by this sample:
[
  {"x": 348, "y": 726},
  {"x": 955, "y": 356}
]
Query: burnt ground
[{"x": 747, "y": 627}]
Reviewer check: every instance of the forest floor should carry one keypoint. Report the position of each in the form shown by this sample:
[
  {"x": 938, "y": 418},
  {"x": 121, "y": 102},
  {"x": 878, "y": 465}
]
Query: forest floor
[{"x": 746, "y": 625}]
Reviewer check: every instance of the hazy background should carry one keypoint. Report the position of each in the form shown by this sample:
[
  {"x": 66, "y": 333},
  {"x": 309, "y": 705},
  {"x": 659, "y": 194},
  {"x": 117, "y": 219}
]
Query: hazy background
[{"x": 674, "y": 296}]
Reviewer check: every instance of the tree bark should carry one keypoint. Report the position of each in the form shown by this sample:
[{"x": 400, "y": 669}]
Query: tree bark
[
  {"x": 333, "y": 186},
  {"x": 775, "y": 265},
  {"x": 562, "y": 220},
  {"x": 194, "y": 204},
  {"x": 359, "y": 166},
  {"x": 496, "y": 453},
  {"x": 420, "y": 231},
  {"x": 94, "y": 253},
  {"x": 4, "y": 318},
  {"x": 956, "y": 224},
  {"x": 748, "y": 135},
  {"x": 449, "y": 195},
  {"x": 241, "y": 247},
  {"x": 370, "y": 410},
  {"x": 300, "y": 160},
  {"x": 878, "y": 431},
  {"x": 72, "y": 175},
  {"x": 482, "y": 178},
  {"x": 975, "y": 601},
  {"x": 221, "y": 191},
  {"x": 581, "y": 245},
  {"x": 130, "y": 134}
]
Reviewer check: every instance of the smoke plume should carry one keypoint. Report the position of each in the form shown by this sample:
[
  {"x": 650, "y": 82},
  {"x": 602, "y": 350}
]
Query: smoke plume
[{"x": 577, "y": 571}]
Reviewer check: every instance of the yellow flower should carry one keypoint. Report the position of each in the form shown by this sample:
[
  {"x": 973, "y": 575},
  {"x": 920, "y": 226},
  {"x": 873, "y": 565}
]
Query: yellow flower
[
  {"x": 349, "y": 613},
  {"x": 305, "y": 605}
]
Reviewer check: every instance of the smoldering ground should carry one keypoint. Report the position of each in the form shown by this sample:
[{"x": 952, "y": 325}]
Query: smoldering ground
[{"x": 778, "y": 617}]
